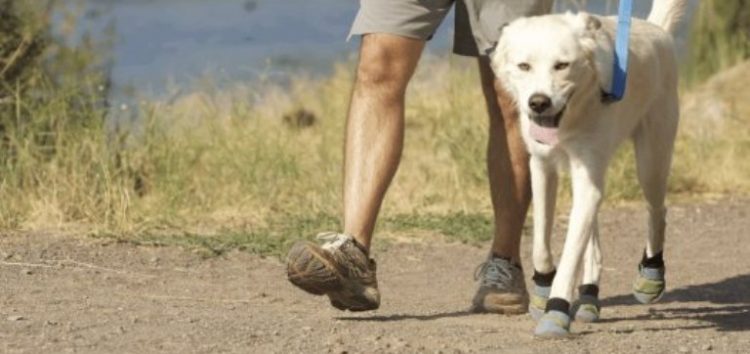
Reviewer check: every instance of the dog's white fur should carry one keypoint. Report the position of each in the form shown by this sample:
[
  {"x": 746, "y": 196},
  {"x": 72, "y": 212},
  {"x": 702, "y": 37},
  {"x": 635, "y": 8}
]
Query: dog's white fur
[{"x": 590, "y": 130}]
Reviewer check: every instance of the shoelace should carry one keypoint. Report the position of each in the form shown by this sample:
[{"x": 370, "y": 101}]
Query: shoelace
[
  {"x": 494, "y": 273},
  {"x": 332, "y": 240}
]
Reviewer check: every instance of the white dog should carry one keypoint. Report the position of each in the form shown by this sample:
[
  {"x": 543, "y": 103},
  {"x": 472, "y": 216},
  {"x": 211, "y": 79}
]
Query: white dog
[{"x": 557, "y": 67}]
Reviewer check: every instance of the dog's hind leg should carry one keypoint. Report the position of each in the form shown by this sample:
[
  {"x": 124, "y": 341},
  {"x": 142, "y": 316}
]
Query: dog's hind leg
[
  {"x": 544, "y": 186},
  {"x": 588, "y": 307},
  {"x": 654, "y": 144}
]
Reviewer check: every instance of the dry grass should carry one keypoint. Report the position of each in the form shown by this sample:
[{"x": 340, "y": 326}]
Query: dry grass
[{"x": 227, "y": 162}]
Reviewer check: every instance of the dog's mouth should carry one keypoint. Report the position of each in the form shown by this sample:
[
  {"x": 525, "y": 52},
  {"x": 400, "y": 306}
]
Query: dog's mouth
[{"x": 544, "y": 128}]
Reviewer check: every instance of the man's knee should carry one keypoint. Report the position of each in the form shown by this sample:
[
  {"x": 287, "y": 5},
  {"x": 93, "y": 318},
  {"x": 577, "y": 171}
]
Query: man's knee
[
  {"x": 387, "y": 63},
  {"x": 377, "y": 75}
]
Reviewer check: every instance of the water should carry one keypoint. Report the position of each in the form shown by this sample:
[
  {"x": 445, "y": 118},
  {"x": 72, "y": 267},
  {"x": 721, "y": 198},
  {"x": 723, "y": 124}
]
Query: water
[{"x": 169, "y": 43}]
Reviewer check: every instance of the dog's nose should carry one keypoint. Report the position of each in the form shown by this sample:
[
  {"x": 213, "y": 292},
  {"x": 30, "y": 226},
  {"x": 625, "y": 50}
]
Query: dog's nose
[{"x": 539, "y": 102}]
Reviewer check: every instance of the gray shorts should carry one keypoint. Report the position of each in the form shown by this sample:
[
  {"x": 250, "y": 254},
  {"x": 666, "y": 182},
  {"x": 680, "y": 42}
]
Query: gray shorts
[{"x": 478, "y": 22}]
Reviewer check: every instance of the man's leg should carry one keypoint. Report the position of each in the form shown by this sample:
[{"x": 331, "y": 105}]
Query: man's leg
[
  {"x": 375, "y": 128},
  {"x": 502, "y": 287},
  {"x": 342, "y": 268},
  {"x": 507, "y": 165}
]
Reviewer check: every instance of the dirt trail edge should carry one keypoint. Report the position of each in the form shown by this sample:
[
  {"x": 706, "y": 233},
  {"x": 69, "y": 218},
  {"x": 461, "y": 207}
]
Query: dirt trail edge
[{"x": 63, "y": 294}]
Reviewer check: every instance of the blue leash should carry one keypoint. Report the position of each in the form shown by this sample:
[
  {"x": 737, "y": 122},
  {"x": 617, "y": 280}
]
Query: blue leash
[{"x": 622, "y": 40}]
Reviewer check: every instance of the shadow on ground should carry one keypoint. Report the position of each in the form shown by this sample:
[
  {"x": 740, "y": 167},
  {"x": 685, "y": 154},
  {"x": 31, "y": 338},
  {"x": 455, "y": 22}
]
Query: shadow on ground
[
  {"x": 401, "y": 317},
  {"x": 729, "y": 309}
]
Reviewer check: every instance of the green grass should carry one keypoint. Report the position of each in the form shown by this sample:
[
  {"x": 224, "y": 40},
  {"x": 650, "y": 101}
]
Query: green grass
[{"x": 275, "y": 239}]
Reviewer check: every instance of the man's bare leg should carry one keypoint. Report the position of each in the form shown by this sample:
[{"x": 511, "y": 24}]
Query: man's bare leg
[
  {"x": 375, "y": 128},
  {"x": 342, "y": 268},
  {"x": 502, "y": 286},
  {"x": 507, "y": 165}
]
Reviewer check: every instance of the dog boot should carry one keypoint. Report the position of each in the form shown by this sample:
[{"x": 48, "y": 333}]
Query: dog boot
[
  {"x": 538, "y": 301},
  {"x": 555, "y": 323},
  {"x": 588, "y": 307},
  {"x": 540, "y": 295},
  {"x": 649, "y": 286}
]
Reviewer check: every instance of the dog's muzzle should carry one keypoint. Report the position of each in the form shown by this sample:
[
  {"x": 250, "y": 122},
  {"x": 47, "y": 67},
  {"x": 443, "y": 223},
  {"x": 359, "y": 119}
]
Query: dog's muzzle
[
  {"x": 548, "y": 121},
  {"x": 544, "y": 129}
]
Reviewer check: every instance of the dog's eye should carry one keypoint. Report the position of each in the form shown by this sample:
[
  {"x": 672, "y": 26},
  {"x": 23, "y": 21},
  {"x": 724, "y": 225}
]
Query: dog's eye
[
  {"x": 524, "y": 66},
  {"x": 561, "y": 65}
]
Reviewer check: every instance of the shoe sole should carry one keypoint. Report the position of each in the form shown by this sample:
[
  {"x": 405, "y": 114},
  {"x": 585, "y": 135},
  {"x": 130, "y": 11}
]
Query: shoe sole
[
  {"x": 309, "y": 269},
  {"x": 501, "y": 310},
  {"x": 312, "y": 271},
  {"x": 501, "y": 306}
]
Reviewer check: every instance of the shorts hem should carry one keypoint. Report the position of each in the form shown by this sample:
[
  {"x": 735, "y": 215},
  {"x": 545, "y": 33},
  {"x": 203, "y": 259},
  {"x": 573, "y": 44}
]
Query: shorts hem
[{"x": 404, "y": 34}]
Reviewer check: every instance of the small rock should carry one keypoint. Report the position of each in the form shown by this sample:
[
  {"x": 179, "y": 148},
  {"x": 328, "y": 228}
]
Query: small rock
[
  {"x": 683, "y": 350},
  {"x": 708, "y": 347},
  {"x": 307, "y": 328},
  {"x": 27, "y": 272},
  {"x": 300, "y": 118},
  {"x": 16, "y": 318}
]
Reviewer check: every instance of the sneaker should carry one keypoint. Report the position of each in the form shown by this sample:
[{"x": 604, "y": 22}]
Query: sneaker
[
  {"x": 501, "y": 288},
  {"x": 340, "y": 269}
]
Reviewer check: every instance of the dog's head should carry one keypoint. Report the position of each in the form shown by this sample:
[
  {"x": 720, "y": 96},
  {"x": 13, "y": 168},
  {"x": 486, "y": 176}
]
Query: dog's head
[{"x": 546, "y": 62}]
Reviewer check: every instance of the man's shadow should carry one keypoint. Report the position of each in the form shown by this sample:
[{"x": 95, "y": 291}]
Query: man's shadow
[
  {"x": 729, "y": 309},
  {"x": 402, "y": 317}
]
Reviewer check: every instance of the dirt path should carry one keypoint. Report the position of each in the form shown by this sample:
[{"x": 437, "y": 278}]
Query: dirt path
[{"x": 60, "y": 295}]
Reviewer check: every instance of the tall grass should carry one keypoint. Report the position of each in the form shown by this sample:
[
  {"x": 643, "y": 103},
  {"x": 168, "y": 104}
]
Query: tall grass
[
  {"x": 720, "y": 38},
  {"x": 227, "y": 161}
]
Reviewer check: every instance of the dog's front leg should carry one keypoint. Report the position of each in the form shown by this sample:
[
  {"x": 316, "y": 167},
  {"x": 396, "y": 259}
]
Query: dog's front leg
[
  {"x": 544, "y": 191},
  {"x": 588, "y": 180}
]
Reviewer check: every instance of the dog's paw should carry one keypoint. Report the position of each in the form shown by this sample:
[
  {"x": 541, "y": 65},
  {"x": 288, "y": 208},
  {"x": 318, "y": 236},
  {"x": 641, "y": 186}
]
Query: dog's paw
[
  {"x": 538, "y": 301},
  {"x": 649, "y": 285},
  {"x": 587, "y": 313},
  {"x": 553, "y": 324},
  {"x": 587, "y": 309}
]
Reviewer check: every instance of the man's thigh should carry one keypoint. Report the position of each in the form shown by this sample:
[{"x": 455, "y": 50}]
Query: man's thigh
[
  {"x": 478, "y": 22},
  {"x": 416, "y": 19}
]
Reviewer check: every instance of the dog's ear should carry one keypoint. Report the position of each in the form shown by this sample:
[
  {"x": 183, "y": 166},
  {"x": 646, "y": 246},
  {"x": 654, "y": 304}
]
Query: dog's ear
[
  {"x": 492, "y": 49},
  {"x": 592, "y": 22},
  {"x": 496, "y": 53},
  {"x": 597, "y": 45},
  {"x": 585, "y": 22}
]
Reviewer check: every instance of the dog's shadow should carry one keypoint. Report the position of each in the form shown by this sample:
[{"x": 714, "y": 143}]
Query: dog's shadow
[{"x": 729, "y": 310}]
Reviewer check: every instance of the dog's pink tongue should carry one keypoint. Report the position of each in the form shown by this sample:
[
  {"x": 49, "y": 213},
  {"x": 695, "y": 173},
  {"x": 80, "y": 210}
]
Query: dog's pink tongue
[{"x": 544, "y": 135}]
